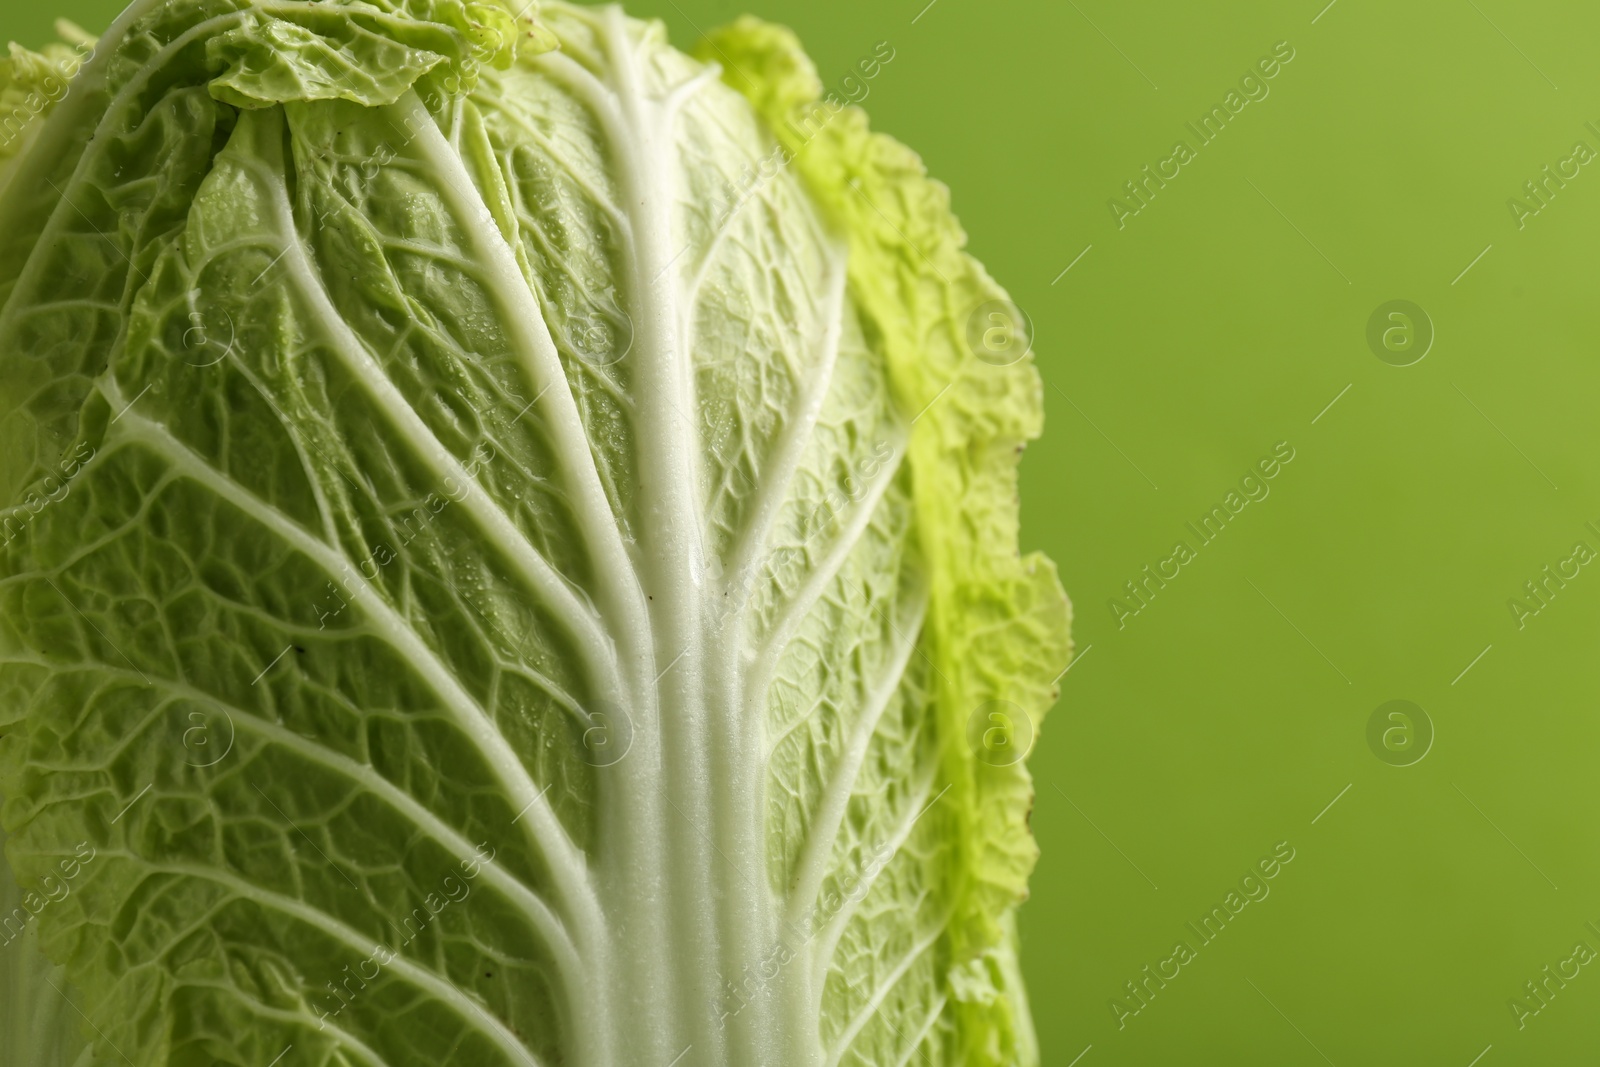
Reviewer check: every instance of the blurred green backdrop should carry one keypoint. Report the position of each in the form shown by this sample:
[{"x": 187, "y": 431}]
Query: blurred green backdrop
[{"x": 1182, "y": 346}]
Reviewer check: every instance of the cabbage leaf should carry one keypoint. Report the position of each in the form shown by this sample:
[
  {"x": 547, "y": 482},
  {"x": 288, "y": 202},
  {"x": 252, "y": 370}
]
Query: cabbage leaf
[{"x": 484, "y": 580}]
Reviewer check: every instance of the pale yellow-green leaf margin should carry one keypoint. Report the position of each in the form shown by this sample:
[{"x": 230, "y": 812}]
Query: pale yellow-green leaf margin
[
  {"x": 368, "y": 52},
  {"x": 32, "y": 83},
  {"x": 999, "y": 621}
]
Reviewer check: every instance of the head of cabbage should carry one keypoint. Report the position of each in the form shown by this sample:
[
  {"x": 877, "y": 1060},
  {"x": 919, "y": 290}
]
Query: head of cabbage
[{"x": 508, "y": 555}]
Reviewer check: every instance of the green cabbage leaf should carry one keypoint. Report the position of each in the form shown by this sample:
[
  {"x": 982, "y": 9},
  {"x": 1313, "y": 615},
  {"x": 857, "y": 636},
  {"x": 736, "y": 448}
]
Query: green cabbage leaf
[{"x": 508, "y": 555}]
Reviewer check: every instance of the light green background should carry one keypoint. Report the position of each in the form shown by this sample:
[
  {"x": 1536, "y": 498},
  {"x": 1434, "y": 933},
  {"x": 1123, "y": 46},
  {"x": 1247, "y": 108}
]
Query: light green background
[{"x": 1177, "y": 351}]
